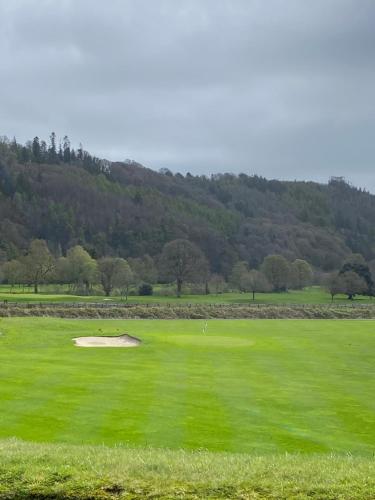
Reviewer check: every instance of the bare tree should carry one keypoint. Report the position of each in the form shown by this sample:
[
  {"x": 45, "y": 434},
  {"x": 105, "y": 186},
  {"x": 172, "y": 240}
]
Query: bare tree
[
  {"x": 255, "y": 282},
  {"x": 334, "y": 284},
  {"x": 38, "y": 263},
  {"x": 14, "y": 272},
  {"x": 114, "y": 272},
  {"x": 144, "y": 269},
  {"x": 182, "y": 261},
  {"x": 217, "y": 283},
  {"x": 239, "y": 269}
]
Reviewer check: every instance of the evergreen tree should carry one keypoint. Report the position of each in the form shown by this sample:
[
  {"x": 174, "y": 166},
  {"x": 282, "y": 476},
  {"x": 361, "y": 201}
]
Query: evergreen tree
[
  {"x": 60, "y": 153},
  {"x": 66, "y": 150},
  {"x": 43, "y": 152},
  {"x": 52, "y": 150},
  {"x": 80, "y": 152},
  {"x": 36, "y": 149}
]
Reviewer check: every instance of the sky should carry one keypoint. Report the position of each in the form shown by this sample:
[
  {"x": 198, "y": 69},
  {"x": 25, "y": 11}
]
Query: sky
[{"x": 279, "y": 88}]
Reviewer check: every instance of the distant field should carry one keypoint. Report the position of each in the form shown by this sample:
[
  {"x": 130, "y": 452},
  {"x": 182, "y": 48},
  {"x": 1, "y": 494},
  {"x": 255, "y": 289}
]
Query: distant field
[
  {"x": 312, "y": 295},
  {"x": 265, "y": 387}
]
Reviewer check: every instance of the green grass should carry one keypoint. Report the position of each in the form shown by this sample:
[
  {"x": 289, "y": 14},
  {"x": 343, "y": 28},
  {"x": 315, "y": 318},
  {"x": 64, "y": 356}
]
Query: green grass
[
  {"x": 311, "y": 295},
  {"x": 60, "y": 471},
  {"x": 261, "y": 386}
]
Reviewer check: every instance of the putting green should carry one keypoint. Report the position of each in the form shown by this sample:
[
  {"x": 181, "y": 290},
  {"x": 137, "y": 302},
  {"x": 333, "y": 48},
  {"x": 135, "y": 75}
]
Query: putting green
[
  {"x": 208, "y": 340},
  {"x": 262, "y": 386}
]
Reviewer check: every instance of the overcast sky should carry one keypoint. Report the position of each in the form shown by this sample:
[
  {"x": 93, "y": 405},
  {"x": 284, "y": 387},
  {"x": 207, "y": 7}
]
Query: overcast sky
[{"x": 281, "y": 88}]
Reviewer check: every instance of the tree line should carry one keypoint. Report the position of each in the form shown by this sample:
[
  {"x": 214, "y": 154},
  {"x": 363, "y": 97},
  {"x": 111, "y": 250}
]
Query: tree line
[
  {"x": 78, "y": 270},
  {"x": 55, "y": 151},
  {"x": 180, "y": 262}
]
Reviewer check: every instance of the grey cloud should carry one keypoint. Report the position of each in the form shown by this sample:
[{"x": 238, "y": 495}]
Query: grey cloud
[{"x": 281, "y": 88}]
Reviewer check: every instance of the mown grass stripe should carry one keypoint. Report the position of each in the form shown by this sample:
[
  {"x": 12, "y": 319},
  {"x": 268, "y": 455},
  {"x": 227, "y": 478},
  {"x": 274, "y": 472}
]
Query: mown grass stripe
[{"x": 259, "y": 386}]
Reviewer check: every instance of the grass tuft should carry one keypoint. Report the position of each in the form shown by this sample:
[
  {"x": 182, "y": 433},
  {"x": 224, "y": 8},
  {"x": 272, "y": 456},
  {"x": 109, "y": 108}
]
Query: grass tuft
[{"x": 47, "y": 471}]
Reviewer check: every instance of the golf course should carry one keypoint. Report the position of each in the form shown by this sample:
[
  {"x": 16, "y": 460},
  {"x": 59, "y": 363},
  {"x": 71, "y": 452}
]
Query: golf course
[
  {"x": 309, "y": 295},
  {"x": 262, "y": 387}
]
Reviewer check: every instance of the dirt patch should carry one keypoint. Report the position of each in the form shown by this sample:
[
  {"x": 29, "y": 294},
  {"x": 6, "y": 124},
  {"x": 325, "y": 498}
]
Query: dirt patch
[{"x": 124, "y": 340}]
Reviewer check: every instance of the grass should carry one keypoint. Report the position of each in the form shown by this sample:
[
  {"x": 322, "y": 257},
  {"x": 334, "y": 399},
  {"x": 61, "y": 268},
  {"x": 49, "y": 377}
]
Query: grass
[
  {"x": 311, "y": 295},
  {"x": 260, "y": 387},
  {"x": 268, "y": 409},
  {"x": 84, "y": 472}
]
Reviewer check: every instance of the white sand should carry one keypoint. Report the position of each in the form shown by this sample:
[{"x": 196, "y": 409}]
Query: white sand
[{"x": 120, "y": 341}]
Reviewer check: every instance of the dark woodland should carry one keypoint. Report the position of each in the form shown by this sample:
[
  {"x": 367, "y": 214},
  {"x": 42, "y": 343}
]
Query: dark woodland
[{"x": 67, "y": 197}]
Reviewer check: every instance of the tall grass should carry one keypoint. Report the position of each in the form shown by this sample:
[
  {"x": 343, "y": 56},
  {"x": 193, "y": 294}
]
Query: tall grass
[
  {"x": 42, "y": 471},
  {"x": 190, "y": 311}
]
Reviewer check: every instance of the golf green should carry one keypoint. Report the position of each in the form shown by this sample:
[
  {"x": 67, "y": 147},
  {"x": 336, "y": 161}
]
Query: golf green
[{"x": 262, "y": 386}]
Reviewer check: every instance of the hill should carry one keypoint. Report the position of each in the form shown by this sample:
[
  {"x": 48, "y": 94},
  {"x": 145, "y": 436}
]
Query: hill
[{"x": 68, "y": 197}]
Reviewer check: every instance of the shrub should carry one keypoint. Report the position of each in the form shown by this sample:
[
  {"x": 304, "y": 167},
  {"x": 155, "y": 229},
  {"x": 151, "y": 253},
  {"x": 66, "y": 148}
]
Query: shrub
[{"x": 145, "y": 289}]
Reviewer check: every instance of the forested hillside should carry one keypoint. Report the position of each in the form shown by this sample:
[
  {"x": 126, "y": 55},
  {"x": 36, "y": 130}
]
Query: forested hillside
[{"x": 68, "y": 197}]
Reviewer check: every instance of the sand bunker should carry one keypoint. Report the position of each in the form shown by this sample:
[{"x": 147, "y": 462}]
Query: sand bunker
[{"x": 124, "y": 340}]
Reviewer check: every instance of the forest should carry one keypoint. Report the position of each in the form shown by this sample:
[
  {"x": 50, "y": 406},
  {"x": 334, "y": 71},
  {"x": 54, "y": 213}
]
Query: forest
[{"x": 67, "y": 197}]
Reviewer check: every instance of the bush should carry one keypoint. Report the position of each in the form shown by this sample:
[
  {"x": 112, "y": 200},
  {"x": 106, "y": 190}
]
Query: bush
[
  {"x": 145, "y": 289},
  {"x": 165, "y": 291}
]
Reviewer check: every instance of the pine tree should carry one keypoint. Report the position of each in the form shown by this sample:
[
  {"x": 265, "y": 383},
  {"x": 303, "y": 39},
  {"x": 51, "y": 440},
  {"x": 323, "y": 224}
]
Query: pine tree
[
  {"x": 66, "y": 150},
  {"x": 43, "y": 152},
  {"x": 80, "y": 152},
  {"x": 52, "y": 150},
  {"x": 60, "y": 154},
  {"x": 36, "y": 149}
]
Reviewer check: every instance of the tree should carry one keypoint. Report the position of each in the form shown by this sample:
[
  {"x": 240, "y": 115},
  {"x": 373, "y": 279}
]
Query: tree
[
  {"x": 114, "y": 272},
  {"x": 52, "y": 150},
  {"x": 36, "y": 149},
  {"x": 239, "y": 269},
  {"x": 357, "y": 264},
  {"x": 43, "y": 151},
  {"x": 38, "y": 263},
  {"x": 66, "y": 150},
  {"x": 144, "y": 269},
  {"x": 145, "y": 289},
  {"x": 124, "y": 279},
  {"x": 301, "y": 274},
  {"x": 276, "y": 269},
  {"x": 81, "y": 268},
  {"x": 182, "y": 261},
  {"x": 14, "y": 272},
  {"x": 354, "y": 284},
  {"x": 62, "y": 272},
  {"x": 334, "y": 284},
  {"x": 255, "y": 282},
  {"x": 203, "y": 275},
  {"x": 371, "y": 266},
  {"x": 217, "y": 283}
]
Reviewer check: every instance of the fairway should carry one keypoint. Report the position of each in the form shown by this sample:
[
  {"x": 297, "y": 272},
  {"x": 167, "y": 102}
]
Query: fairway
[
  {"x": 264, "y": 386},
  {"x": 309, "y": 295}
]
